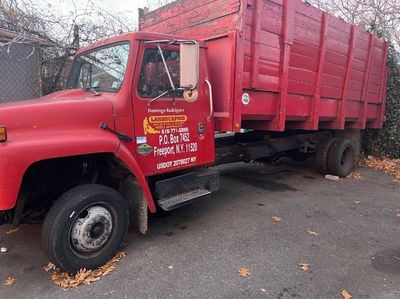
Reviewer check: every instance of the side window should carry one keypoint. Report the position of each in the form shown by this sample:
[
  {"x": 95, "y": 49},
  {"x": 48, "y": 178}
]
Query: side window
[{"x": 154, "y": 79}]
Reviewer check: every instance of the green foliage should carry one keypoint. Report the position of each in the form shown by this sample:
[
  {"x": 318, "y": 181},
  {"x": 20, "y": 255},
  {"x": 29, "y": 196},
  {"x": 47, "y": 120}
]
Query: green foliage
[{"x": 386, "y": 141}]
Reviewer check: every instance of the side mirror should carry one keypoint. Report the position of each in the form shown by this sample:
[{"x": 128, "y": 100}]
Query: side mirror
[{"x": 189, "y": 72}]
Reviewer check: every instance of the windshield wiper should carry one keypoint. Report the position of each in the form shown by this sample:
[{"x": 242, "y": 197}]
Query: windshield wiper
[
  {"x": 90, "y": 88},
  {"x": 171, "y": 82}
]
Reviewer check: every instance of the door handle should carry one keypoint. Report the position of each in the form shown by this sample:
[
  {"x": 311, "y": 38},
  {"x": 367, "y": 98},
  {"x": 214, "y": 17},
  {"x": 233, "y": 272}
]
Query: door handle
[{"x": 211, "y": 100}]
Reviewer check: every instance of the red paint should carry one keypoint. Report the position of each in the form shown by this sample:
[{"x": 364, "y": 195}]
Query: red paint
[{"x": 55, "y": 126}]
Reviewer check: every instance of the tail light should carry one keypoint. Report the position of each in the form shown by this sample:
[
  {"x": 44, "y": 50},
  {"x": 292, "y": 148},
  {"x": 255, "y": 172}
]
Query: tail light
[{"x": 3, "y": 134}]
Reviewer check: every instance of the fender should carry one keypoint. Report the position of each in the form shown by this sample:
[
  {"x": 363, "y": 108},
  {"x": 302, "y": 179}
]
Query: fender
[
  {"x": 26, "y": 150},
  {"x": 125, "y": 156}
]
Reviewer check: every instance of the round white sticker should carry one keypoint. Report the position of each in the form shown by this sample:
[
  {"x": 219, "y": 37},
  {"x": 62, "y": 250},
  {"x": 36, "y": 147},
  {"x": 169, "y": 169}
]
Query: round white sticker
[{"x": 246, "y": 99}]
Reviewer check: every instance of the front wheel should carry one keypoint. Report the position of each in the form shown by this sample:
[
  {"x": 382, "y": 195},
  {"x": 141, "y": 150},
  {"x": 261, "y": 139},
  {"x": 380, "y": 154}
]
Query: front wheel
[{"x": 85, "y": 227}]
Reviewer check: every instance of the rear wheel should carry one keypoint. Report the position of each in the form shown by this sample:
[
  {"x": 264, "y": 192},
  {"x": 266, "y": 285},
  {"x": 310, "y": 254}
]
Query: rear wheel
[
  {"x": 321, "y": 158},
  {"x": 341, "y": 157},
  {"x": 85, "y": 227}
]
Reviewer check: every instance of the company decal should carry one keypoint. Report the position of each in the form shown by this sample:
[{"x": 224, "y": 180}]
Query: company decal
[
  {"x": 141, "y": 140},
  {"x": 154, "y": 124},
  {"x": 145, "y": 149}
]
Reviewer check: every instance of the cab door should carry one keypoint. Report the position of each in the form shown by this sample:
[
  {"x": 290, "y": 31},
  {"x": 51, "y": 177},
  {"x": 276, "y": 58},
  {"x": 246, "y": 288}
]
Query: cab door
[{"x": 172, "y": 132}]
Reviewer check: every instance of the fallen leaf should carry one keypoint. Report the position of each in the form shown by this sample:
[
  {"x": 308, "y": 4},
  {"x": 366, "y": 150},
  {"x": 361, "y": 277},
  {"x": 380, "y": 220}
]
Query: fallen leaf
[
  {"x": 345, "y": 294},
  {"x": 12, "y": 231},
  {"x": 10, "y": 281},
  {"x": 313, "y": 233},
  {"x": 304, "y": 266},
  {"x": 50, "y": 266},
  {"x": 83, "y": 276},
  {"x": 244, "y": 272},
  {"x": 276, "y": 218},
  {"x": 354, "y": 176}
]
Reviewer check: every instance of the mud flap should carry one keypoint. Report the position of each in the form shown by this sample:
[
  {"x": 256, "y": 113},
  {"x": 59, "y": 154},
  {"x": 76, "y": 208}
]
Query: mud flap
[{"x": 138, "y": 208}]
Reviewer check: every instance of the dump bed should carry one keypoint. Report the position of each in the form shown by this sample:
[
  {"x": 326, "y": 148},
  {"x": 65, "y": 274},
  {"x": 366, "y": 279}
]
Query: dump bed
[{"x": 282, "y": 64}]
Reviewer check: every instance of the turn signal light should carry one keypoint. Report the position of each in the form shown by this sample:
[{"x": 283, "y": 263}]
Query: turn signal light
[{"x": 3, "y": 134}]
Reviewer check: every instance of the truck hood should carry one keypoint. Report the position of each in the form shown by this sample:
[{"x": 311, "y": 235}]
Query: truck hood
[{"x": 63, "y": 112}]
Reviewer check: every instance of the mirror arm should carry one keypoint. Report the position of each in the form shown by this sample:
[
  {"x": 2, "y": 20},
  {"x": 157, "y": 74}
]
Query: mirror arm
[{"x": 166, "y": 67}]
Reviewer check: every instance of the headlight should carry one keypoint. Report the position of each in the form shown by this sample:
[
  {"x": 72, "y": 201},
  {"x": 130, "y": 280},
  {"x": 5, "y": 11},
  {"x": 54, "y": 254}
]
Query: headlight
[{"x": 3, "y": 134}]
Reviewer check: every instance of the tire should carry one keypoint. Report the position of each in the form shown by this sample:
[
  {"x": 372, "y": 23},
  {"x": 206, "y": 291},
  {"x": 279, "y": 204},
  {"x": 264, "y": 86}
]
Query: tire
[
  {"x": 85, "y": 227},
  {"x": 321, "y": 158},
  {"x": 341, "y": 158}
]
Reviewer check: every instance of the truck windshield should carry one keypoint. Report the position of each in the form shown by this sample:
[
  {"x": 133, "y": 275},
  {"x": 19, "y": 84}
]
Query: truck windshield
[{"x": 100, "y": 70}]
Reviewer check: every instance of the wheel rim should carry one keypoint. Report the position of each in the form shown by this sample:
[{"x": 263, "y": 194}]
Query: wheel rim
[{"x": 91, "y": 229}]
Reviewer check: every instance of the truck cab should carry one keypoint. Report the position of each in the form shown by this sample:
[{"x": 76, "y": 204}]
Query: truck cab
[
  {"x": 136, "y": 113},
  {"x": 167, "y": 122}
]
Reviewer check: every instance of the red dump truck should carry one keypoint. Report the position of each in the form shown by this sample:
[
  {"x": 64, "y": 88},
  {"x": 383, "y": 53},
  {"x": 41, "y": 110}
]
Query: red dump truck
[{"x": 138, "y": 128}]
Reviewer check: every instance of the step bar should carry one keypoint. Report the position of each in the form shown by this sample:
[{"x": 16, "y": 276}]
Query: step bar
[{"x": 181, "y": 190}]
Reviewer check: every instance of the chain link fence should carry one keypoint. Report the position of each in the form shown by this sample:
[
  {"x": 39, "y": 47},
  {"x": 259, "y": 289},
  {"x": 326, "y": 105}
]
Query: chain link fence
[
  {"x": 30, "y": 66},
  {"x": 20, "y": 65}
]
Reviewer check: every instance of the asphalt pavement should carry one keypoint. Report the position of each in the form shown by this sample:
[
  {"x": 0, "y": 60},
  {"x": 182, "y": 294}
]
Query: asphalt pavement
[{"x": 197, "y": 251}]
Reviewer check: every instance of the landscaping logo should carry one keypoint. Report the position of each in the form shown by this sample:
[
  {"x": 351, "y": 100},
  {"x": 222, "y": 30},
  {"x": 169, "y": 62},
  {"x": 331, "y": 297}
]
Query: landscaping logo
[{"x": 145, "y": 149}]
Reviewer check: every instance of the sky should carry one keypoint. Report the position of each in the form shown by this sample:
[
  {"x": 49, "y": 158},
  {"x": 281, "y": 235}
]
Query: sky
[{"x": 127, "y": 7}]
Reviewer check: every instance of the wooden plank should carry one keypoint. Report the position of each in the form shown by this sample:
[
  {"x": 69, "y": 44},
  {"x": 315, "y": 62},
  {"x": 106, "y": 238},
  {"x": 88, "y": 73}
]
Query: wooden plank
[
  {"x": 314, "y": 119},
  {"x": 343, "y": 102},
  {"x": 238, "y": 70},
  {"x": 288, "y": 29},
  {"x": 187, "y": 16},
  {"x": 383, "y": 88},
  {"x": 256, "y": 43},
  {"x": 363, "y": 117}
]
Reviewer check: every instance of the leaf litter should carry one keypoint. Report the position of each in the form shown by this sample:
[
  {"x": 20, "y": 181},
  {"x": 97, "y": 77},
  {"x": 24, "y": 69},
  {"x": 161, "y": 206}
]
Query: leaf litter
[
  {"x": 354, "y": 176},
  {"x": 390, "y": 166},
  {"x": 83, "y": 276}
]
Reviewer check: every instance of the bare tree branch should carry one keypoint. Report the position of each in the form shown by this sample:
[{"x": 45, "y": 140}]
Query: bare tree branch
[{"x": 381, "y": 16}]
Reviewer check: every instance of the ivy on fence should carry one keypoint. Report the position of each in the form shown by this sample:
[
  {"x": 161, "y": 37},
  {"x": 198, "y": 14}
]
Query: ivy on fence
[{"x": 386, "y": 141}]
